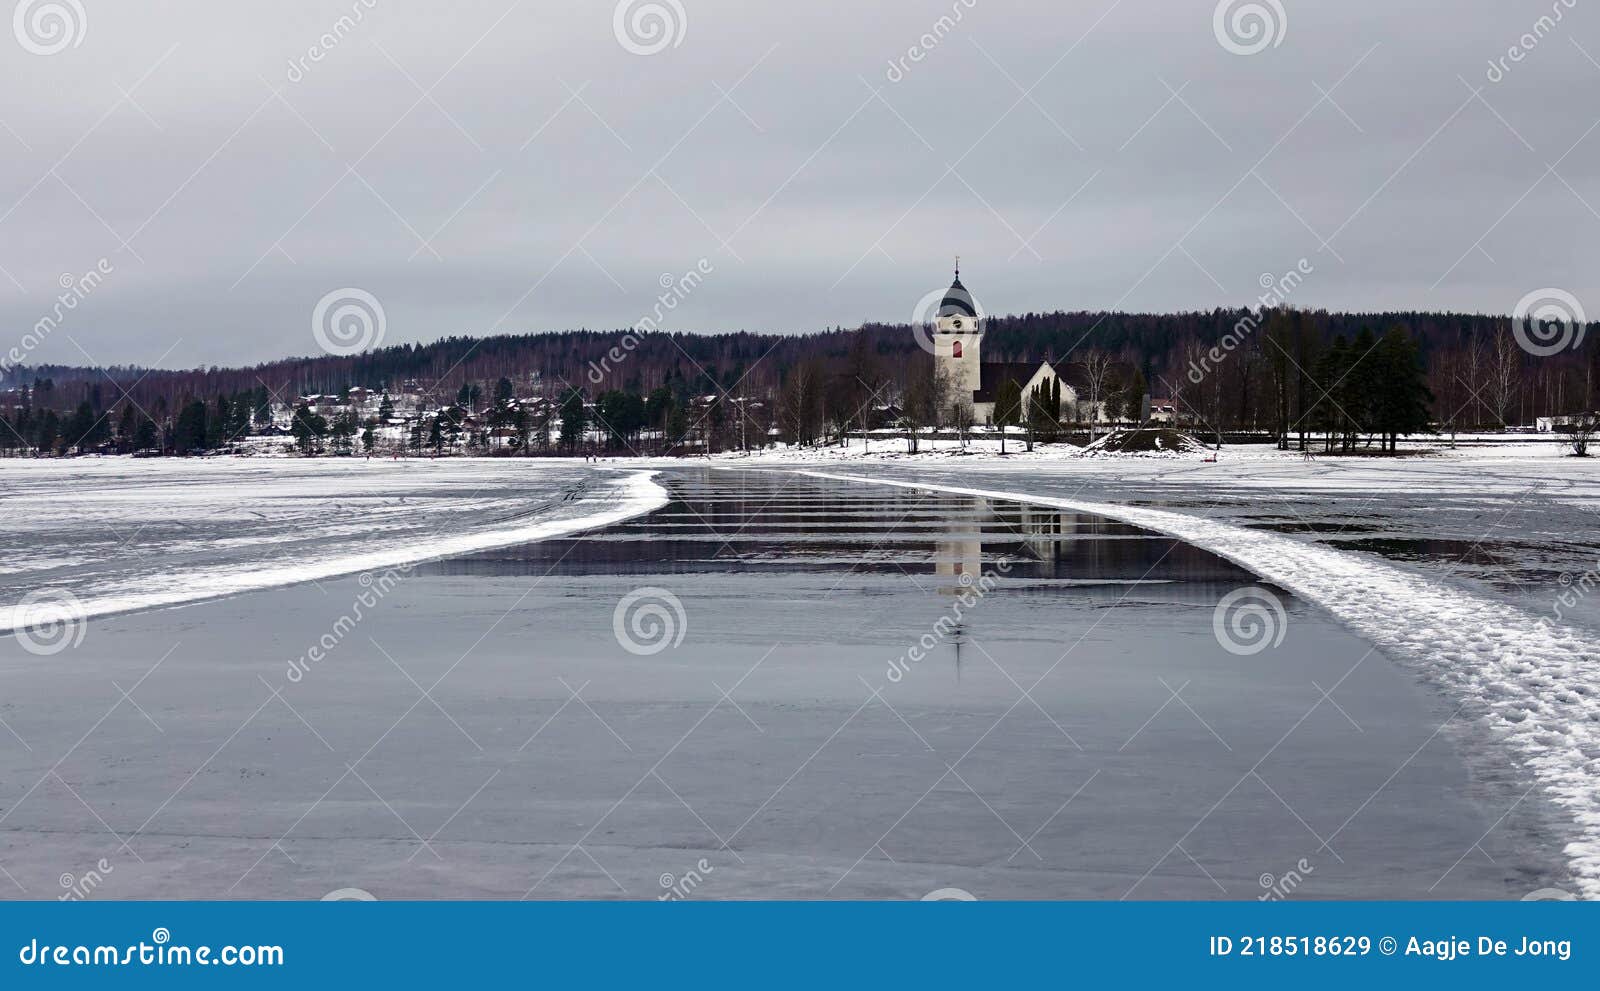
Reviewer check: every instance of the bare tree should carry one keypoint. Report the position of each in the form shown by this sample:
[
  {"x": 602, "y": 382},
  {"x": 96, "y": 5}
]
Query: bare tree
[
  {"x": 925, "y": 395},
  {"x": 1504, "y": 372},
  {"x": 1583, "y": 429},
  {"x": 798, "y": 404},
  {"x": 1097, "y": 366},
  {"x": 961, "y": 418},
  {"x": 1475, "y": 376}
]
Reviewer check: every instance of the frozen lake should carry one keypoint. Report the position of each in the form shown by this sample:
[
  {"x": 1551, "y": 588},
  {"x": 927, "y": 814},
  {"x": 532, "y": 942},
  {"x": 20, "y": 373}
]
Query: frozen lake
[
  {"x": 119, "y": 534},
  {"x": 484, "y": 731}
]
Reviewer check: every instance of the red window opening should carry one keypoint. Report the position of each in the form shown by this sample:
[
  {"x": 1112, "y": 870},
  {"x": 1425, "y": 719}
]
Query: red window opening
[{"x": 955, "y": 349}]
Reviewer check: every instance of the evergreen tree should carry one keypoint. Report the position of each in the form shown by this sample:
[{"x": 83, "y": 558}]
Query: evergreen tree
[
  {"x": 189, "y": 435},
  {"x": 1401, "y": 399},
  {"x": 126, "y": 427},
  {"x": 436, "y": 434},
  {"x": 572, "y": 419},
  {"x": 1332, "y": 410},
  {"x": 144, "y": 437},
  {"x": 677, "y": 424},
  {"x": 47, "y": 431},
  {"x": 1042, "y": 426},
  {"x": 307, "y": 427}
]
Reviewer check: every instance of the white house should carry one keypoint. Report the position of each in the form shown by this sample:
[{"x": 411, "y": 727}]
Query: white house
[{"x": 1562, "y": 424}]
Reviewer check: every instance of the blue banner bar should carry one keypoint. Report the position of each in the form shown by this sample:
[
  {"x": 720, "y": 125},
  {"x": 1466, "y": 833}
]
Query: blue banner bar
[{"x": 746, "y": 945}]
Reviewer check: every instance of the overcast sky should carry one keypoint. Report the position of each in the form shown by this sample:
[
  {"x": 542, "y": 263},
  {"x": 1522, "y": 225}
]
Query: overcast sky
[{"x": 491, "y": 166}]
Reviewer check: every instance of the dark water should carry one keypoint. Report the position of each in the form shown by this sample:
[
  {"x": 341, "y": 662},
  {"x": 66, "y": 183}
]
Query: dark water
[{"x": 758, "y": 523}]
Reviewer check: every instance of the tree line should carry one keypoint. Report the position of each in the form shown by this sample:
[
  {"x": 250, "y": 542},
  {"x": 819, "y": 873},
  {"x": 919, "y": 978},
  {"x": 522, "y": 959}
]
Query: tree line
[{"x": 1289, "y": 373}]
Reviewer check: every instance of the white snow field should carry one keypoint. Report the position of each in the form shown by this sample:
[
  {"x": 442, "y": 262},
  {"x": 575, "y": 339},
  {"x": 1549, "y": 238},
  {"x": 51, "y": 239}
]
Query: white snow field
[
  {"x": 1510, "y": 635},
  {"x": 91, "y": 537}
]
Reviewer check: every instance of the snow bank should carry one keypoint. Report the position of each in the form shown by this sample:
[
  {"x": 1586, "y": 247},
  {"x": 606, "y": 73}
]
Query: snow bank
[
  {"x": 630, "y": 495},
  {"x": 1531, "y": 679}
]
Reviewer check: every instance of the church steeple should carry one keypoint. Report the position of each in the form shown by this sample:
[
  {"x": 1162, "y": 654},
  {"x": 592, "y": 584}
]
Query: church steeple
[
  {"x": 958, "y": 338},
  {"x": 958, "y": 302}
]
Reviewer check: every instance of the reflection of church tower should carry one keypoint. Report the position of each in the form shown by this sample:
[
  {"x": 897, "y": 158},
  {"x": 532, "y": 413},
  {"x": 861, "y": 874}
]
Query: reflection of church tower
[
  {"x": 957, "y": 339},
  {"x": 958, "y": 561}
]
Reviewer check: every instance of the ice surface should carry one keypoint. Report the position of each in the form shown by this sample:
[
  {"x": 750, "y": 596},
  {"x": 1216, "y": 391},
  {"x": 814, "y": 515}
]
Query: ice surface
[
  {"x": 483, "y": 732},
  {"x": 120, "y": 534},
  {"x": 1532, "y": 678}
]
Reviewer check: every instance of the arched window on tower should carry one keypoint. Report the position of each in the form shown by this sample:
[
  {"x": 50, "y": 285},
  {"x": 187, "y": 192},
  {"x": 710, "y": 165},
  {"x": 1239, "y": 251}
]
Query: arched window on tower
[{"x": 955, "y": 349}]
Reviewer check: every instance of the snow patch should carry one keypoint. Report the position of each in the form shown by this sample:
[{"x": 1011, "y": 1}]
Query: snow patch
[{"x": 632, "y": 495}]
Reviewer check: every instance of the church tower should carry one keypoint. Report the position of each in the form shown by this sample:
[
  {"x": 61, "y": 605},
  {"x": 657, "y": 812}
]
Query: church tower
[{"x": 958, "y": 339}]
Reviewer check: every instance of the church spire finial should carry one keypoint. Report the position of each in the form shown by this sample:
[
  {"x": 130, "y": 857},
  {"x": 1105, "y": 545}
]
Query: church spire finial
[{"x": 958, "y": 266}]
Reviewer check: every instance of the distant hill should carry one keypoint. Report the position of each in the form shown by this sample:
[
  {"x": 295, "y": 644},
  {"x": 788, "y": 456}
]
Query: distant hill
[{"x": 689, "y": 363}]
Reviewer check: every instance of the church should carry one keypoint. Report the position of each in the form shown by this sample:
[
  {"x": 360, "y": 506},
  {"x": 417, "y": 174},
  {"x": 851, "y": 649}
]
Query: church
[{"x": 957, "y": 336}]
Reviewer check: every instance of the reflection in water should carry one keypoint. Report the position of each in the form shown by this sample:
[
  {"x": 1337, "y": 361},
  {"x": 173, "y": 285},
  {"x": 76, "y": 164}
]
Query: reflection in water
[
  {"x": 740, "y": 523},
  {"x": 753, "y": 522}
]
